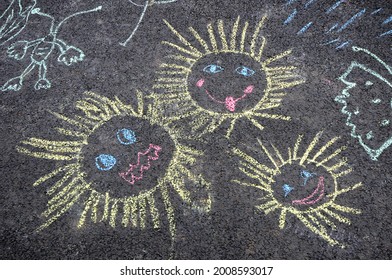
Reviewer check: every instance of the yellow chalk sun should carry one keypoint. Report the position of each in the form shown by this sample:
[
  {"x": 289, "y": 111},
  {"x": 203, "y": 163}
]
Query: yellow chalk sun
[
  {"x": 317, "y": 174},
  {"x": 174, "y": 87},
  {"x": 70, "y": 185}
]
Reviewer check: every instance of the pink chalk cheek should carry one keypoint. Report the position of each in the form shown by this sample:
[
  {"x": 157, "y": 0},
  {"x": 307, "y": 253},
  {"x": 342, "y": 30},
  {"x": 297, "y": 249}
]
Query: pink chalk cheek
[
  {"x": 200, "y": 83},
  {"x": 249, "y": 89}
]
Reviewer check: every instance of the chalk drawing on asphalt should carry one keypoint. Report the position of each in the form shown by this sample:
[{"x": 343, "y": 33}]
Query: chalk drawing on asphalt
[
  {"x": 14, "y": 19},
  {"x": 196, "y": 78},
  {"x": 120, "y": 165},
  {"x": 283, "y": 190},
  {"x": 143, "y": 4},
  {"x": 322, "y": 19},
  {"x": 41, "y": 49},
  {"x": 367, "y": 103}
]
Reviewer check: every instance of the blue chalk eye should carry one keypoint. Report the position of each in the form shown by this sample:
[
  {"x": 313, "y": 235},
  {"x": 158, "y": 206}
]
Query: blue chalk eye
[
  {"x": 105, "y": 162},
  {"x": 287, "y": 189},
  {"x": 213, "y": 69},
  {"x": 126, "y": 136},
  {"x": 306, "y": 175},
  {"x": 245, "y": 71}
]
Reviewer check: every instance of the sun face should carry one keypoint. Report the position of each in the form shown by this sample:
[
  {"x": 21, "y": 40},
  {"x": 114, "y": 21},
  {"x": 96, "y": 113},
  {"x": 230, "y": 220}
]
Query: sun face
[
  {"x": 223, "y": 79},
  {"x": 305, "y": 186},
  {"x": 121, "y": 163}
]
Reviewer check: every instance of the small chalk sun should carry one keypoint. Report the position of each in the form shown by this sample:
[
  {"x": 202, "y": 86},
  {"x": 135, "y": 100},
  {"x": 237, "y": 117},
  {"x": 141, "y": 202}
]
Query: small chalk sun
[{"x": 305, "y": 185}]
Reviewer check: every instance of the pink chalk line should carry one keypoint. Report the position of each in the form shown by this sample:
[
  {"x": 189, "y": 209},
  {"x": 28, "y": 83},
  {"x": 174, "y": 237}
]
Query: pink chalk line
[
  {"x": 307, "y": 200},
  {"x": 230, "y": 102},
  {"x": 154, "y": 149}
]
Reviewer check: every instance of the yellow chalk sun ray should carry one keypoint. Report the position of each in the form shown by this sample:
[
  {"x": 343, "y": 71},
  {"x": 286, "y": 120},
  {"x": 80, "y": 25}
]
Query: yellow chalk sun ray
[
  {"x": 318, "y": 219},
  {"x": 68, "y": 184},
  {"x": 173, "y": 75}
]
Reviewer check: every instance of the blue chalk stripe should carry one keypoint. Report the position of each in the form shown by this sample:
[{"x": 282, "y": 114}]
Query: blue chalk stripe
[
  {"x": 337, "y": 4},
  {"x": 351, "y": 20},
  {"x": 291, "y": 17},
  {"x": 305, "y": 28}
]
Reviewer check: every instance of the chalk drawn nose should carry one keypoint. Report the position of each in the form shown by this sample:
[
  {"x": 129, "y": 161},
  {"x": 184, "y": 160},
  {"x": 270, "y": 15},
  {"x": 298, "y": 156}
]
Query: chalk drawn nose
[
  {"x": 200, "y": 83},
  {"x": 230, "y": 103}
]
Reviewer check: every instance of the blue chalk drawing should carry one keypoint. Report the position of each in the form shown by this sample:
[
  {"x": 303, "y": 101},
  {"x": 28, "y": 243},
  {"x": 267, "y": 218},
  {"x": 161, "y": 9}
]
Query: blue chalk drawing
[
  {"x": 289, "y": 2},
  {"x": 388, "y": 20},
  {"x": 305, "y": 28},
  {"x": 322, "y": 17},
  {"x": 105, "y": 162},
  {"x": 126, "y": 136},
  {"x": 334, "y": 6},
  {"x": 245, "y": 71},
  {"x": 333, "y": 27},
  {"x": 291, "y": 17},
  {"x": 310, "y": 2},
  {"x": 386, "y": 33},
  {"x": 287, "y": 189},
  {"x": 376, "y": 11},
  {"x": 42, "y": 48},
  {"x": 332, "y": 42},
  {"x": 351, "y": 20},
  {"x": 344, "y": 97},
  {"x": 14, "y": 19},
  {"x": 343, "y": 45},
  {"x": 213, "y": 69},
  {"x": 306, "y": 175},
  {"x": 145, "y": 5}
]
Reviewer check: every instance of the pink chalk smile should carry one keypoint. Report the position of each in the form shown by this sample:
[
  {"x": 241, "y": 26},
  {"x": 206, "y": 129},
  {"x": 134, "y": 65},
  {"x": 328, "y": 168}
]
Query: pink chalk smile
[
  {"x": 230, "y": 102},
  {"x": 314, "y": 197}
]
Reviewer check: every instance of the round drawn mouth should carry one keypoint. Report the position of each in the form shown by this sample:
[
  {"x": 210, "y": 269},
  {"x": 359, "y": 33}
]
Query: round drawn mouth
[
  {"x": 315, "y": 196},
  {"x": 230, "y": 102},
  {"x": 144, "y": 159}
]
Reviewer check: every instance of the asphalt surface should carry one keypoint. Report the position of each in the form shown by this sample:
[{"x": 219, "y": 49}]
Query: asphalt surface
[{"x": 213, "y": 215}]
